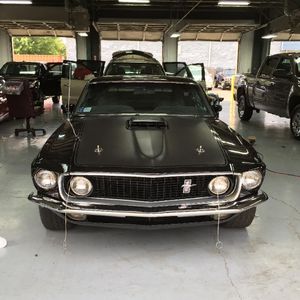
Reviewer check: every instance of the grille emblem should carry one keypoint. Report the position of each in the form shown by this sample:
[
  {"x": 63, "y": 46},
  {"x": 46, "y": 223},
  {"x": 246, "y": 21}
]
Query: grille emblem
[
  {"x": 187, "y": 185},
  {"x": 200, "y": 150},
  {"x": 98, "y": 150}
]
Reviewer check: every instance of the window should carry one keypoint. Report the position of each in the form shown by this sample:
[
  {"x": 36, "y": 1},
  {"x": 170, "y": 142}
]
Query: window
[
  {"x": 143, "y": 98},
  {"x": 285, "y": 65},
  {"x": 268, "y": 67},
  {"x": 21, "y": 69},
  {"x": 197, "y": 72},
  {"x": 182, "y": 73}
]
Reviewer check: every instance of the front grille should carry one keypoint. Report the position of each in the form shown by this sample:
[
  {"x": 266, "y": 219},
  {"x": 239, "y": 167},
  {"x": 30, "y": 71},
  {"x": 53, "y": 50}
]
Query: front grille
[{"x": 149, "y": 189}]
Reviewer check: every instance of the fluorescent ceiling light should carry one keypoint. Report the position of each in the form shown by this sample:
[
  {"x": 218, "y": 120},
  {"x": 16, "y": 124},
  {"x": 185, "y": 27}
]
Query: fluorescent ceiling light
[
  {"x": 269, "y": 36},
  {"x": 175, "y": 35},
  {"x": 134, "y": 1},
  {"x": 84, "y": 34},
  {"x": 233, "y": 3},
  {"x": 15, "y": 2}
]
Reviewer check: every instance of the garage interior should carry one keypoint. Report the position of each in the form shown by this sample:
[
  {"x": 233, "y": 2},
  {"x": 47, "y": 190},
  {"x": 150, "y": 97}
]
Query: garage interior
[{"x": 260, "y": 262}]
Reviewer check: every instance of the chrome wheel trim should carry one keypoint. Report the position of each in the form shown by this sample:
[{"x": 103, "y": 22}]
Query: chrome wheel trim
[
  {"x": 296, "y": 124},
  {"x": 241, "y": 107}
]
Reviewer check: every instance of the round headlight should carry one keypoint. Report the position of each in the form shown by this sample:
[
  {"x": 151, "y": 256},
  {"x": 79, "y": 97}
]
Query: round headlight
[
  {"x": 251, "y": 179},
  {"x": 219, "y": 185},
  {"x": 45, "y": 179},
  {"x": 81, "y": 186}
]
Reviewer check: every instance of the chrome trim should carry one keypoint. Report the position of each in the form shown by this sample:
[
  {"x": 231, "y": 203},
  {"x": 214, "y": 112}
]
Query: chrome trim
[
  {"x": 233, "y": 208},
  {"x": 147, "y": 175},
  {"x": 112, "y": 201}
]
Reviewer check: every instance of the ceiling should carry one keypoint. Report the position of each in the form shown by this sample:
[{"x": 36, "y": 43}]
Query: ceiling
[{"x": 149, "y": 22}]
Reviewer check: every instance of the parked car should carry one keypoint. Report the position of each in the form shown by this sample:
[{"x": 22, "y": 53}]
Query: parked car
[
  {"x": 192, "y": 71},
  {"x": 3, "y": 101},
  {"x": 75, "y": 75},
  {"x": 132, "y": 63},
  {"x": 43, "y": 81},
  {"x": 209, "y": 80},
  {"x": 223, "y": 79},
  {"x": 274, "y": 89},
  {"x": 126, "y": 63},
  {"x": 146, "y": 151}
]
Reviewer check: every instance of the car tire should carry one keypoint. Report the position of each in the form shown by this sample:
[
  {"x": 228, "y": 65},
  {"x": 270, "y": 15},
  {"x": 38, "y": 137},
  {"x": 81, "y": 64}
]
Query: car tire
[
  {"x": 241, "y": 220},
  {"x": 55, "y": 99},
  {"x": 52, "y": 221},
  {"x": 295, "y": 122},
  {"x": 244, "y": 109},
  {"x": 216, "y": 85}
]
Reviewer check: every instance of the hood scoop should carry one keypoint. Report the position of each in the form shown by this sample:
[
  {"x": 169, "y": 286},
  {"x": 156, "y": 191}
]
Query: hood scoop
[{"x": 148, "y": 123}]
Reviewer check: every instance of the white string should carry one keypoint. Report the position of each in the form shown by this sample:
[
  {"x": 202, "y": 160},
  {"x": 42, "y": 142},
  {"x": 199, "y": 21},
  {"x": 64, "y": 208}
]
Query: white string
[{"x": 219, "y": 243}]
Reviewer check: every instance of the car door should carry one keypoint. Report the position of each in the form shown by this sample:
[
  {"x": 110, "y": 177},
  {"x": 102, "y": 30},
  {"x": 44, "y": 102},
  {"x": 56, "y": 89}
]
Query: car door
[
  {"x": 198, "y": 74},
  {"x": 172, "y": 68},
  {"x": 50, "y": 79},
  {"x": 263, "y": 83},
  {"x": 280, "y": 87},
  {"x": 76, "y": 84}
]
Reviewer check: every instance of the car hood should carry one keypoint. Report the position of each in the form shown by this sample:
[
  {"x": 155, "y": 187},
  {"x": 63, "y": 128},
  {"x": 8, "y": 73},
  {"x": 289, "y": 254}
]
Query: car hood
[
  {"x": 107, "y": 141},
  {"x": 186, "y": 143}
]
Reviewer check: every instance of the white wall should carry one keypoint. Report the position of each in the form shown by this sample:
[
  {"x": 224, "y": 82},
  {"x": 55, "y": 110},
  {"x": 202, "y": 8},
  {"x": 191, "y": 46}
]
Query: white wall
[
  {"x": 212, "y": 54},
  {"x": 5, "y": 48}
]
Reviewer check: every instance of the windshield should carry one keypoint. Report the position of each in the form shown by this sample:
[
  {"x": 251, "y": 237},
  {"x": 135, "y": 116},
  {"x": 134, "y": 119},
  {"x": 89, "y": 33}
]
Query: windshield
[
  {"x": 143, "y": 98},
  {"x": 297, "y": 60},
  {"x": 20, "y": 69},
  {"x": 229, "y": 72},
  {"x": 134, "y": 69}
]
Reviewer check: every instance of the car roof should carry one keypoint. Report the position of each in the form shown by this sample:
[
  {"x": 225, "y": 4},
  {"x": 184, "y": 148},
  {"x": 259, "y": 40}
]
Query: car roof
[
  {"x": 147, "y": 78},
  {"x": 133, "y": 56},
  {"x": 292, "y": 53}
]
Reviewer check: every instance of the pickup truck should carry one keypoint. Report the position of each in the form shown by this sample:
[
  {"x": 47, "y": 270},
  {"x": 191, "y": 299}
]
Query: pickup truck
[{"x": 274, "y": 89}]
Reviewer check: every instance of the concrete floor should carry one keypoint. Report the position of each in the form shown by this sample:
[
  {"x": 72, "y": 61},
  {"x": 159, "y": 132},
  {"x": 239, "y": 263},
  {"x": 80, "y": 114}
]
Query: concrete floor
[{"x": 261, "y": 262}]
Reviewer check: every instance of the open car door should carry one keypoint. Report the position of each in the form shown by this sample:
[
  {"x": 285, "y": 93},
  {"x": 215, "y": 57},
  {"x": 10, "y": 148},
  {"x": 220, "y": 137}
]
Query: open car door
[
  {"x": 172, "y": 68},
  {"x": 197, "y": 73},
  {"x": 193, "y": 71},
  {"x": 78, "y": 73},
  {"x": 50, "y": 81}
]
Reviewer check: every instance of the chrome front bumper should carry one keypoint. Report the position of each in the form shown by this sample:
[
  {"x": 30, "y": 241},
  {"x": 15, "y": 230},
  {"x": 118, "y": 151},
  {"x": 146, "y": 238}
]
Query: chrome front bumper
[{"x": 180, "y": 211}]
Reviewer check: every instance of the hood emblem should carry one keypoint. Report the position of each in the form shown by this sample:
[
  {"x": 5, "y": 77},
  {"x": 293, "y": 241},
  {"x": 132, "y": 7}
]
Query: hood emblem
[
  {"x": 200, "y": 150},
  {"x": 98, "y": 150},
  {"x": 187, "y": 185}
]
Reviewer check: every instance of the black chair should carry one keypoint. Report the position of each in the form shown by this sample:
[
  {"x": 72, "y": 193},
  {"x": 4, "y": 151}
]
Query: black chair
[{"x": 20, "y": 104}]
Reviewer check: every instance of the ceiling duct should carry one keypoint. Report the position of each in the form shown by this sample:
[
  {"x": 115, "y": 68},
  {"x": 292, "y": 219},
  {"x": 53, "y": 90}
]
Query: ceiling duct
[{"x": 78, "y": 16}]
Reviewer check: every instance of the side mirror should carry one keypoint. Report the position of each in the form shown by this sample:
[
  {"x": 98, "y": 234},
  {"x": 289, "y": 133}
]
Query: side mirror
[
  {"x": 68, "y": 109},
  {"x": 217, "y": 107}
]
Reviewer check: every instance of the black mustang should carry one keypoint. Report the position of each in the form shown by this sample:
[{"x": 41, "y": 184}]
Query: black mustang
[{"x": 146, "y": 151}]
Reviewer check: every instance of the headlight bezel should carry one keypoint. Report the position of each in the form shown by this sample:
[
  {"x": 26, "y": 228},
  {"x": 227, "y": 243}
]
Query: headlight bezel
[
  {"x": 255, "y": 172},
  {"x": 37, "y": 179},
  {"x": 213, "y": 181},
  {"x": 76, "y": 193}
]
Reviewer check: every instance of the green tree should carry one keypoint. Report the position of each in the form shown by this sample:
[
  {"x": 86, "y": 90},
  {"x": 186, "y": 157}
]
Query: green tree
[{"x": 39, "y": 45}]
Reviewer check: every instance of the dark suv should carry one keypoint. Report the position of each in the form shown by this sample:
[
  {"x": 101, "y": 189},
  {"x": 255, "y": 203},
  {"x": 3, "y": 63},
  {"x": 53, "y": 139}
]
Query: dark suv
[
  {"x": 44, "y": 79},
  {"x": 274, "y": 89},
  {"x": 132, "y": 63}
]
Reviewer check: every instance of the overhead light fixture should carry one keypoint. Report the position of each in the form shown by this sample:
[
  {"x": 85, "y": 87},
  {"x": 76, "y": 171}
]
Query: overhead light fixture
[
  {"x": 269, "y": 36},
  {"x": 175, "y": 35},
  {"x": 15, "y": 2},
  {"x": 134, "y": 1},
  {"x": 83, "y": 34},
  {"x": 233, "y": 3}
]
